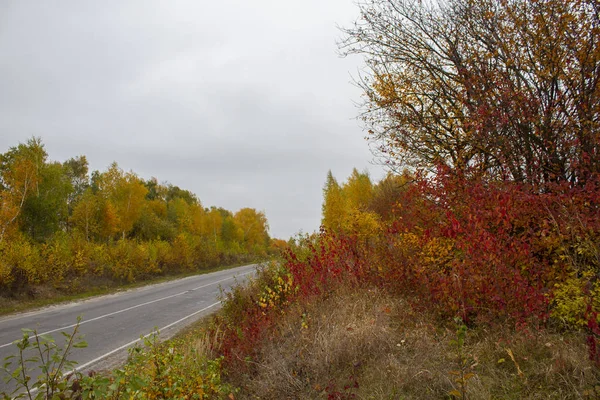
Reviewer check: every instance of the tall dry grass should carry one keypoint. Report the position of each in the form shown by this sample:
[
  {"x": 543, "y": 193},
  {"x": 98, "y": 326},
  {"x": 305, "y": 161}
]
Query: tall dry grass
[{"x": 365, "y": 344}]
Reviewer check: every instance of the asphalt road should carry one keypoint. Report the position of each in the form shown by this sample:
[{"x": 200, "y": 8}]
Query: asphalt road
[{"x": 111, "y": 324}]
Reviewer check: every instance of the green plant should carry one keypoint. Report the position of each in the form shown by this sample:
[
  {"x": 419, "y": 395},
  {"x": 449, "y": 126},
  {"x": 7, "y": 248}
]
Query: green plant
[
  {"x": 51, "y": 358},
  {"x": 170, "y": 370},
  {"x": 464, "y": 372}
]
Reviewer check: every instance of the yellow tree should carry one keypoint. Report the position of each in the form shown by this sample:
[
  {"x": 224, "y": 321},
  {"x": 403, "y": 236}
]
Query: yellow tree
[
  {"x": 124, "y": 194},
  {"x": 199, "y": 223},
  {"x": 180, "y": 214},
  {"x": 358, "y": 190},
  {"x": 346, "y": 208},
  {"x": 214, "y": 224},
  {"x": 230, "y": 233},
  {"x": 253, "y": 227},
  {"x": 363, "y": 224},
  {"x": 334, "y": 205},
  {"x": 19, "y": 177},
  {"x": 109, "y": 219},
  {"x": 86, "y": 215}
]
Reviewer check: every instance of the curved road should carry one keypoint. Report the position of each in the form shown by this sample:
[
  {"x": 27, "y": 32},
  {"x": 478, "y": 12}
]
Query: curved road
[{"x": 110, "y": 324}]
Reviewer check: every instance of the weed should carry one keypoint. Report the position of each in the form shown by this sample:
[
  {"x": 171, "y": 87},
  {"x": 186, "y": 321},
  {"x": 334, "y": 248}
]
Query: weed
[
  {"x": 49, "y": 357},
  {"x": 465, "y": 371}
]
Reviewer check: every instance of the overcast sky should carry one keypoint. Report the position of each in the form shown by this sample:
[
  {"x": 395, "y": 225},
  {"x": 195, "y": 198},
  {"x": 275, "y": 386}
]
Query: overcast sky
[{"x": 245, "y": 103}]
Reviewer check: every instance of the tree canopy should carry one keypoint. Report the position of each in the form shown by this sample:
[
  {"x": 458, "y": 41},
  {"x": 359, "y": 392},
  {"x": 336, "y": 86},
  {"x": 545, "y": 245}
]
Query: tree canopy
[{"x": 503, "y": 88}]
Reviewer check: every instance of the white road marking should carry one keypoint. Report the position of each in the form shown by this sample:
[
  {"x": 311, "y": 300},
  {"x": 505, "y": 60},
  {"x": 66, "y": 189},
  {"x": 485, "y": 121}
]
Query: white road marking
[
  {"x": 133, "y": 307},
  {"x": 95, "y": 360},
  {"x": 103, "y": 356}
]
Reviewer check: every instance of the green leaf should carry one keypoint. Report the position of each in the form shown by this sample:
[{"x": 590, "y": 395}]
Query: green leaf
[{"x": 46, "y": 339}]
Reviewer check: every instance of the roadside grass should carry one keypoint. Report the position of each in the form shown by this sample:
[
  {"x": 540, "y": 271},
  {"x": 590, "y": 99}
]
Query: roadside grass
[
  {"x": 364, "y": 344},
  {"x": 47, "y": 295}
]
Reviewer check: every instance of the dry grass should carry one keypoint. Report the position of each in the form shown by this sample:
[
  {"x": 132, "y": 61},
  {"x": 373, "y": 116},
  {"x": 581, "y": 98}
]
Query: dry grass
[{"x": 365, "y": 344}]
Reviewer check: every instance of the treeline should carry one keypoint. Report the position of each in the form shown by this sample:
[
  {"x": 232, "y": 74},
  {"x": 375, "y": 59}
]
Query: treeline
[{"x": 59, "y": 224}]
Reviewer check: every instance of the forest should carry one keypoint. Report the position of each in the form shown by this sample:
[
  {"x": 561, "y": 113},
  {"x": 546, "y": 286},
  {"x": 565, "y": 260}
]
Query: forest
[{"x": 66, "y": 228}]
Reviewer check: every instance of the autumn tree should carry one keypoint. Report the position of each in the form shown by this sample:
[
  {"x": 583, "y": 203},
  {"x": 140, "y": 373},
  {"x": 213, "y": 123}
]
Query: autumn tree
[
  {"x": 229, "y": 230},
  {"x": 253, "y": 228},
  {"x": 153, "y": 222},
  {"x": 278, "y": 246},
  {"x": 507, "y": 89},
  {"x": 19, "y": 179},
  {"x": 173, "y": 192},
  {"x": 214, "y": 225},
  {"x": 123, "y": 195},
  {"x": 358, "y": 219},
  {"x": 76, "y": 170},
  {"x": 334, "y": 204},
  {"x": 86, "y": 216},
  {"x": 358, "y": 190},
  {"x": 346, "y": 207},
  {"x": 388, "y": 194},
  {"x": 46, "y": 211},
  {"x": 155, "y": 190}
]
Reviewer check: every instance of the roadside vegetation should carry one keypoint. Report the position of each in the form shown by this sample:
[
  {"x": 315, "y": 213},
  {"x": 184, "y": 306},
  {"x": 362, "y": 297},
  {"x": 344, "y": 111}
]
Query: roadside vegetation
[
  {"x": 469, "y": 272},
  {"x": 65, "y": 232}
]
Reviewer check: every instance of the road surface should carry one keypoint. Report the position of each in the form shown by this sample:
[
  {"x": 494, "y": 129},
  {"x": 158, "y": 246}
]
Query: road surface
[{"x": 111, "y": 324}]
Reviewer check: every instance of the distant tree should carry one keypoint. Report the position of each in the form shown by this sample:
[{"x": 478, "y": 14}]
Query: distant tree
[
  {"x": 174, "y": 192},
  {"x": 358, "y": 190},
  {"x": 229, "y": 230},
  {"x": 334, "y": 204},
  {"x": 253, "y": 227},
  {"x": 19, "y": 179},
  {"x": 179, "y": 213},
  {"x": 86, "y": 216},
  {"x": 387, "y": 194},
  {"x": 278, "y": 246},
  {"x": 76, "y": 170},
  {"x": 47, "y": 210},
  {"x": 346, "y": 207},
  {"x": 152, "y": 187},
  {"x": 153, "y": 222},
  {"x": 214, "y": 224},
  {"x": 124, "y": 195}
]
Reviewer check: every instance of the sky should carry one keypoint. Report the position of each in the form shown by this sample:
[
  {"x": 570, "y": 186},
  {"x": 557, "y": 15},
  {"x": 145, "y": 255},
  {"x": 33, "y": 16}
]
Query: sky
[{"x": 244, "y": 103}]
